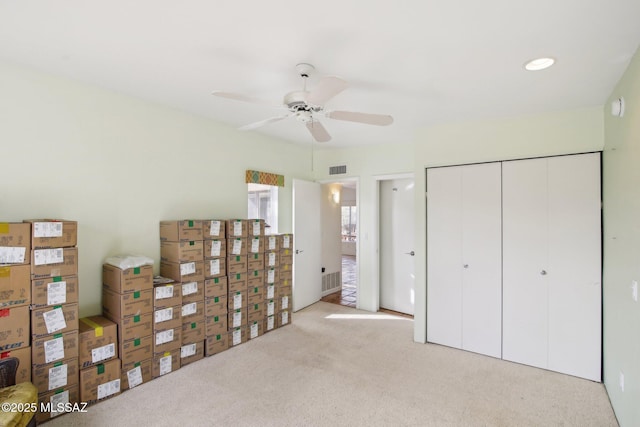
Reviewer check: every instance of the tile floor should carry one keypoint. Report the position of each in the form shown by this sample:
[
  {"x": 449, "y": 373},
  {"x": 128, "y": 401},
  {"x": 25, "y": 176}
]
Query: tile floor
[{"x": 348, "y": 294}]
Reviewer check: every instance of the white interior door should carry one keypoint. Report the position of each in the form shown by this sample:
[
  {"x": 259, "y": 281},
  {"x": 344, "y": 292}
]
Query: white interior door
[
  {"x": 307, "y": 275},
  {"x": 397, "y": 245}
]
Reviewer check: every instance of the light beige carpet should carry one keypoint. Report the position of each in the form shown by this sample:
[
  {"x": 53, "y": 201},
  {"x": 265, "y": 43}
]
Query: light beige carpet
[{"x": 337, "y": 366}]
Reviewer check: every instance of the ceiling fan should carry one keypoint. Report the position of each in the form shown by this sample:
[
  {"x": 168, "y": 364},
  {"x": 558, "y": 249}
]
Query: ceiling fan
[{"x": 308, "y": 106}]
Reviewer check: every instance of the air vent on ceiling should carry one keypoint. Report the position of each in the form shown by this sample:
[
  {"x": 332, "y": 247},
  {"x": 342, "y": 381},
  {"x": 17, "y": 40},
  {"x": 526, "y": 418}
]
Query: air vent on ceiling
[{"x": 337, "y": 170}]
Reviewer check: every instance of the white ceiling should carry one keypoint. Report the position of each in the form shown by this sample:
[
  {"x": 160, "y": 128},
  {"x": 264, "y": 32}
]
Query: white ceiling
[{"x": 422, "y": 61}]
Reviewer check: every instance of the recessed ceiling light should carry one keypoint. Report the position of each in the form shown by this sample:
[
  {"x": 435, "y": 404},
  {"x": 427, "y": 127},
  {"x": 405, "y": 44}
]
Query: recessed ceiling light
[{"x": 539, "y": 64}]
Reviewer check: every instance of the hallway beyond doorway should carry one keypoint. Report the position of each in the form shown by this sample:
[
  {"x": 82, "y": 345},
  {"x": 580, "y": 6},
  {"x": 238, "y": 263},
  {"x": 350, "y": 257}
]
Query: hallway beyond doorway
[{"x": 348, "y": 294}]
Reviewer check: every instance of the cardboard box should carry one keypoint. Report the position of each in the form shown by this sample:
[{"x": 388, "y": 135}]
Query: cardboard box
[
  {"x": 165, "y": 363},
  {"x": 237, "y": 228},
  {"x": 100, "y": 381},
  {"x": 237, "y": 282},
  {"x": 236, "y": 264},
  {"x": 215, "y": 287},
  {"x": 215, "y": 267},
  {"x": 284, "y": 289},
  {"x": 255, "y": 329},
  {"x": 53, "y": 348},
  {"x": 178, "y": 231},
  {"x": 167, "y": 318},
  {"x": 128, "y": 280},
  {"x": 167, "y": 340},
  {"x": 54, "y": 291},
  {"x": 237, "y": 318},
  {"x": 216, "y": 248},
  {"x": 136, "y": 349},
  {"x": 272, "y": 275},
  {"x": 256, "y": 245},
  {"x": 167, "y": 292},
  {"x": 15, "y": 285},
  {"x": 270, "y": 307},
  {"x": 237, "y": 300},
  {"x": 271, "y": 259},
  {"x": 55, "y": 375},
  {"x": 54, "y": 320},
  {"x": 285, "y": 273},
  {"x": 183, "y": 272},
  {"x": 255, "y": 294},
  {"x": 55, "y": 262},
  {"x": 136, "y": 373},
  {"x": 237, "y": 246},
  {"x": 255, "y": 312},
  {"x": 131, "y": 327},
  {"x": 237, "y": 336},
  {"x": 215, "y": 305},
  {"x": 214, "y": 325},
  {"x": 270, "y": 323},
  {"x": 272, "y": 244},
  {"x": 255, "y": 262},
  {"x": 97, "y": 341},
  {"x": 283, "y": 303},
  {"x": 216, "y": 344},
  {"x": 191, "y": 352},
  {"x": 285, "y": 241},
  {"x": 184, "y": 251},
  {"x": 57, "y": 399},
  {"x": 192, "y": 292},
  {"x": 192, "y": 311},
  {"x": 255, "y": 227},
  {"x": 15, "y": 243},
  {"x": 193, "y": 331},
  {"x": 256, "y": 278},
  {"x": 117, "y": 306},
  {"x": 23, "y": 374},
  {"x": 285, "y": 256},
  {"x": 53, "y": 233},
  {"x": 283, "y": 318},
  {"x": 214, "y": 229}
]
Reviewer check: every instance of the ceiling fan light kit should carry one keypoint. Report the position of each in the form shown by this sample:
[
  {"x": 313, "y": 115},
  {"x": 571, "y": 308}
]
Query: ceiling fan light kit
[{"x": 308, "y": 106}]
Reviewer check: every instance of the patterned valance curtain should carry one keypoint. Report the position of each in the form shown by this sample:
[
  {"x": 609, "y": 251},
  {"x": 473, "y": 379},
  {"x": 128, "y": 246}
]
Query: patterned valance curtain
[{"x": 257, "y": 177}]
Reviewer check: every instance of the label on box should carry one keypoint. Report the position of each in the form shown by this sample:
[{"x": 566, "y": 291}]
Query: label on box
[
  {"x": 187, "y": 268},
  {"x": 271, "y": 262},
  {"x": 270, "y": 322},
  {"x": 164, "y": 337},
  {"x": 285, "y": 303},
  {"x": 256, "y": 228},
  {"x": 58, "y": 400},
  {"x": 53, "y": 350},
  {"x": 237, "y": 247},
  {"x": 163, "y": 292},
  {"x": 215, "y": 228},
  {"x": 189, "y": 288},
  {"x": 255, "y": 245},
  {"x": 189, "y": 309},
  {"x": 57, "y": 377},
  {"x": 271, "y": 307},
  {"x": 54, "y": 320},
  {"x": 237, "y": 228},
  {"x": 12, "y": 254},
  {"x": 272, "y": 243},
  {"x": 237, "y": 319},
  {"x": 47, "y": 229},
  {"x": 163, "y": 315},
  {"x": 214, "y": 266},
  {"x": 165, "y": 364},
  {"x": 56, "y": 293},
  {"x": 187, "y": 350},
  {"x": 48, "y": 256},
  {"x": 237, "y": 301},
  {"x": 237, "y": 336},
  {"x": 271, "y": 291},
  {"x": 254, "y": 331},
  {"x": 216, "y": 247},
  {"x": 285, "y": 317},
  {"x": 134, "y": 377},
  {"x": 271, "y": 276},
  {"x": 107, "y": 389},
  {"x": 103, "y": 353}
]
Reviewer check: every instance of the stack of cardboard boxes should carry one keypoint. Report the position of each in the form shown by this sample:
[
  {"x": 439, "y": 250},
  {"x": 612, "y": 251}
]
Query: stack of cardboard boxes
[
  {"x": 256, "y": 278},
  {"x": 127, "y": 300},
  {"x": 286, "y": 279},
  {"x": 237, "y": 268},
  {"x": 272, "y": 268},
  {"x": 54, "y": 315},
  {"x": 215, "y": 286},
  {"x": 100, "y": 373}
]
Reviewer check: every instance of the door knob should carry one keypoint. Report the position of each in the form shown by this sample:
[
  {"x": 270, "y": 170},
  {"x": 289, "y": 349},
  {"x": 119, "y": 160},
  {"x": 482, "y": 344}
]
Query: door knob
[
  {"x": 466, "y": 266},
  {"x": 412, "y": 253},
  {"x": 299, "y": 251},
  {"x": 543, "y": 273}
]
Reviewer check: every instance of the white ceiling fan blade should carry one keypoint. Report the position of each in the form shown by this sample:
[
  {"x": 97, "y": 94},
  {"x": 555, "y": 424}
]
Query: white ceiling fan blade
[
  {"x": 326, "y": 89},
  {"x": 318, "y": 131},
  {"x": 244, "y": 98},
  {"x": 370, "y": 119},
  {"x": 256, "y": 125}
]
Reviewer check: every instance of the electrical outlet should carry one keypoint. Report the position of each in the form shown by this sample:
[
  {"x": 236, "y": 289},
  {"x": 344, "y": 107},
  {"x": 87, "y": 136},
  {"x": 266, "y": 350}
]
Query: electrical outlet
[
  {"x": 634, "y": 290},
  {"x": 621, "y": 381}
]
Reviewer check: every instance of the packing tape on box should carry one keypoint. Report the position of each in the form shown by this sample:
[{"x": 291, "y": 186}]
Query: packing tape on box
[
  {"x": 5, "y": 272},
  {"x": 100, "y": 368},
  {"x": 97, "y": 328},
  {"x": 4, "y": 228}
]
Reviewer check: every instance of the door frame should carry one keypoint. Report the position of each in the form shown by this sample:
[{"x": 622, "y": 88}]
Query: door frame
[{"x": 377, "y": 179}]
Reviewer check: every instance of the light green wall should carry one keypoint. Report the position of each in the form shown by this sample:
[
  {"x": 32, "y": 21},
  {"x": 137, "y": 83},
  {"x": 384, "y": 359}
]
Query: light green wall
[
  {"x": 119, "y": 165},
  {"x": 621, "y": 184}
]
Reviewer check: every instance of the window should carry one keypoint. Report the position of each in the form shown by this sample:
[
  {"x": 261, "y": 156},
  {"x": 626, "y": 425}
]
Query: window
[
  {"x": 349, "y": 222},
  {"x": 263, "y": 204}
]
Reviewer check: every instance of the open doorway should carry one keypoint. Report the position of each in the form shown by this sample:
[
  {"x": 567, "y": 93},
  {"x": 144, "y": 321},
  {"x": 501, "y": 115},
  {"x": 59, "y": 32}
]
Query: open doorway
[{"x": 340, "y": 242}]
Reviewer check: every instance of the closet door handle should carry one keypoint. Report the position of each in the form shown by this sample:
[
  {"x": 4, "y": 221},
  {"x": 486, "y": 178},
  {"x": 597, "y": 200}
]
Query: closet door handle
[
  {"x": 466, "y": 266},
  {"x": 543, "y": 273}
]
